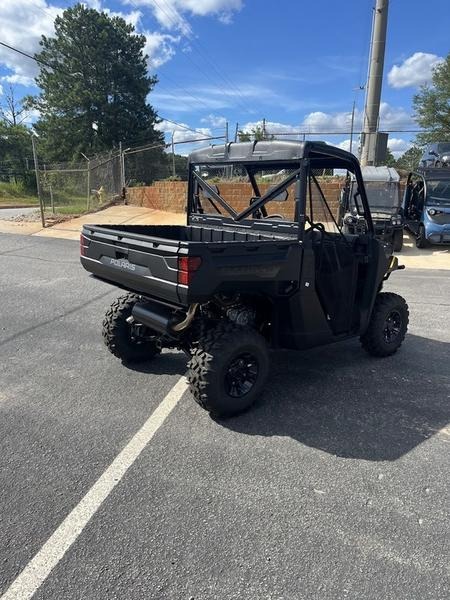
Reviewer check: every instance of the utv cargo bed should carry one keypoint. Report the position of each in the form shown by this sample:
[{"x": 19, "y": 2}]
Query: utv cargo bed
[{"x": 181, "y": 265}]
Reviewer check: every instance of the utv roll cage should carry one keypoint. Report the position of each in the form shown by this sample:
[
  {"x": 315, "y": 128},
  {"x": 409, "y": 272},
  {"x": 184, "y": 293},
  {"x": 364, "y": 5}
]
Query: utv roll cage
[{"x": 303, "y": 157}]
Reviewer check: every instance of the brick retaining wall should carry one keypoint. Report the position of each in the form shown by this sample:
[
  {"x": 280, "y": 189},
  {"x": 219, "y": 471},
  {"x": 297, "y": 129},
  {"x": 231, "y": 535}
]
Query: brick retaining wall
[{"x": 171, "y": 195}]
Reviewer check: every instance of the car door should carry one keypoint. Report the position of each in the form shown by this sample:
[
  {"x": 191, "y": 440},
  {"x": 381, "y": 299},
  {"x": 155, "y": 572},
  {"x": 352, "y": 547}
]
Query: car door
[
  {"x": 337, "y": 255},
  {"x": 413, "y": 202}
]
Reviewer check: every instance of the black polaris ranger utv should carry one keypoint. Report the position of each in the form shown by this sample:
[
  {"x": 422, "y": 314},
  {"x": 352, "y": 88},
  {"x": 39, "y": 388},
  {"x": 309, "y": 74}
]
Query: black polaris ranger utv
[{"x": 260, "y": 264}]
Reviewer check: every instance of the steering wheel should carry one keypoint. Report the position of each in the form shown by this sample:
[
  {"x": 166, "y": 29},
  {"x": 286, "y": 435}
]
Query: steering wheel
[{"x": 276, "y": 216}]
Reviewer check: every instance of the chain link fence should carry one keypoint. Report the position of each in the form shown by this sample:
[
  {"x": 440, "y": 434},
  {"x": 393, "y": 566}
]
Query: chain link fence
[{"x": 74, "y": 188}]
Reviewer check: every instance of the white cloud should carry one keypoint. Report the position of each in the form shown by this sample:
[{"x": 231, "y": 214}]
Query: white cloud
[
  {"x": 271, "y": 127},
  {"x": 214, "y": 121},
  {"x": 319, "y": 122},
  {"x": 345, "y": 145},
  {"x": 19, "y": 80},
  {"x": 398, "y": 146},
  {"x": 172, "y": 14},
  {"x": 22, "y": 23},
  {"x": 1, "y": 90},
  {"x": 414, "y": 71},
  {"x": 391, "y": 118},
  {"x": 96, "y": 4},
  {"x": 132, "y": 17},
  {"x": 159, "y": 48}
]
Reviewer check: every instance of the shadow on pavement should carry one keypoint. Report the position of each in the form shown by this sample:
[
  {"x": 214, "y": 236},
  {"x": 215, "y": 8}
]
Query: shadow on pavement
[
  {"x": 167, "y": 363},
  {"x": 346, "y": 403}
]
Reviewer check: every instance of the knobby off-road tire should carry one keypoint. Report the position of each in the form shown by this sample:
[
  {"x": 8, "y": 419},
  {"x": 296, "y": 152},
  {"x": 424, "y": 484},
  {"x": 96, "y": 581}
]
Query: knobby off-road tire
[
  {"x": 118, "y": 333},
  {"x": 388, "y": 325},
  {"x": 228, "y": 369},
  {"x": 421, "y": 240}
]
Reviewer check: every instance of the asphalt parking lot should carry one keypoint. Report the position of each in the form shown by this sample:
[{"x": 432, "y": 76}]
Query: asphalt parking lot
[{"x": 334, "y": 486}]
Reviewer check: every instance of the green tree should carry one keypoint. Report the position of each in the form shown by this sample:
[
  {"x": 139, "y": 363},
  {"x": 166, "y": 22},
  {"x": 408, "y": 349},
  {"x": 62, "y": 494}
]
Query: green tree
[
  {"x": 409, "y": 161},
  {"x": 390, "y": 159},
  {"x": 257, "y": 134},
  {"x": 95, "y": 83},
  {"x": 432, "y": 106},
  {"x": 16, "y": 162}
]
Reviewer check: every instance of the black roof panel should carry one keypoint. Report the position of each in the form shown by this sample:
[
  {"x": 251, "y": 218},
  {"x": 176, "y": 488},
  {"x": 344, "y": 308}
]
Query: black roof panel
[{"x": 271, "y": 151}]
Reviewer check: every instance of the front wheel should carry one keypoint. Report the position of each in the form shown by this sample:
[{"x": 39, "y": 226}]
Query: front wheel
[
  {"x": 421, "y": 239},
  {"x": 387, "y": 326},
  {"x": 124, "y": 338},
  {"x": 228, "y": 369}
]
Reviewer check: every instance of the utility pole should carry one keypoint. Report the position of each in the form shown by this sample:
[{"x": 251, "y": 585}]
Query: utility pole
[
  {"x": 236, "y": 132},
  {"x": 264, "y": 129},
  {"x": 226, "y": 133},
  {"x": 38, "y": 183},
  {"x": 372, "y": 107}
]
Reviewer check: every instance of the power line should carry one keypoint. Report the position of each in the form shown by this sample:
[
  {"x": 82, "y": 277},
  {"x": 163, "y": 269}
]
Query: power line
[
  {"x": 38, "y": 60},
  {"x": 205, "y": 57},
  {"x": 57, "y": 69}
]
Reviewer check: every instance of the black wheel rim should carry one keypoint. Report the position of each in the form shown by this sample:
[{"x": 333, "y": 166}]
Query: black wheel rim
[
  {"x": 241, "y": 375},
  {"x": 392, "y": 326}
]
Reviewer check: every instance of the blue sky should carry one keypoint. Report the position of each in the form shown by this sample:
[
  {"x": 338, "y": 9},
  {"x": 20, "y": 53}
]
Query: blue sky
[{"x": 293, "y": 62}]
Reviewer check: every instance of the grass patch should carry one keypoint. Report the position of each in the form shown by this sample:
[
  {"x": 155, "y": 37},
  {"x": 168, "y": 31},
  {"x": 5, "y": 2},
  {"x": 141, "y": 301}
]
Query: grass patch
[
  {"x": 15, "y": 194},
  {"x": 70, "y": 209}
]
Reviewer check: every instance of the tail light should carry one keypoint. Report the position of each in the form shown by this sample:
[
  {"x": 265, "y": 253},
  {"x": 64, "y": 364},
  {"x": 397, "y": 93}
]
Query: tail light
[
  {"x": 187, "y": 267},
  {"x": 84, "y": 244}
]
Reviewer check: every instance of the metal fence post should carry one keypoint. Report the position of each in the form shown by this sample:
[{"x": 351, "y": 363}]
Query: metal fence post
[
  {"x": 52, "y": 200},
  {"x": 38, "y": 184},
  {"x": 174, "y": 172},
  {"x": 88, "y": 195},
  {"x": 88, "y": 183}
]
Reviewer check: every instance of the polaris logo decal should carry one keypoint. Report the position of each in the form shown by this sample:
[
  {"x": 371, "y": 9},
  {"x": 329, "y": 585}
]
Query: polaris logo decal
[{"x": 123, "y": 263}]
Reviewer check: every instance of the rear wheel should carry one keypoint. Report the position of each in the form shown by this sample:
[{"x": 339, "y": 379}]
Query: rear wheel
[
  {"x": 421, "y": 239},
  {"x": 123, "y": 337},
  {"x": 398, "y": 240},
  {"x": 228, "y": 369},
  {"x": 388, "y": 325}
]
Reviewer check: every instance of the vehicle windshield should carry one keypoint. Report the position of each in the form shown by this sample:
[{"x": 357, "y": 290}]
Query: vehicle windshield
[
  {"x": 228, "y": 189},
  {"x": 444, "y": 147},
  {"x": 382, "y": 196},
  {"x": 438, "y": 192}
]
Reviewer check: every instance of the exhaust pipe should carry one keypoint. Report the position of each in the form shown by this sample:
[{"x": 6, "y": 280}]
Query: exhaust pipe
[{"x": 162, "y": 319}]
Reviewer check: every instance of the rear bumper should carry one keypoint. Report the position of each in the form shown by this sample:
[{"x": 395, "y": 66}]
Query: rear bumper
[{"x": 142, "y": 284}]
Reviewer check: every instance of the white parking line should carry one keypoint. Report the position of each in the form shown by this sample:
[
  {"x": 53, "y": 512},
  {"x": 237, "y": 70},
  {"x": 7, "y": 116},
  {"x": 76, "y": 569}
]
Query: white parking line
[{"x": 39, "y": 568}]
